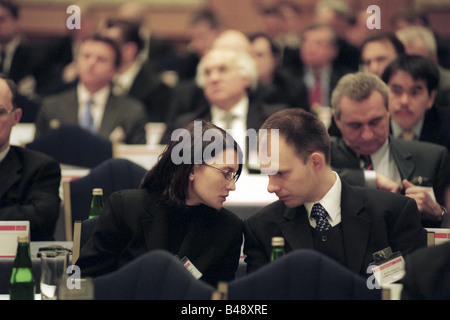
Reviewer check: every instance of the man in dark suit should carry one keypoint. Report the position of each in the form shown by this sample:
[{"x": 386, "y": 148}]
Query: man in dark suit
[
  {"x": 367, "y": 155},
  {"x": 413, "y": 84},
  {"x": 318, "y": 210},
  {"x": 29, "y": 188},
  {"x": 91, "y": 104},
  {"x": 227, "y": 76},
  {"x": 137, "y": 77}
]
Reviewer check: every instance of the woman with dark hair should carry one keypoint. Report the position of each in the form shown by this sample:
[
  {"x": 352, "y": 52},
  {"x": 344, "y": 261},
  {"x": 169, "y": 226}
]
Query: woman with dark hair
[{"x": 177, "y": 208}]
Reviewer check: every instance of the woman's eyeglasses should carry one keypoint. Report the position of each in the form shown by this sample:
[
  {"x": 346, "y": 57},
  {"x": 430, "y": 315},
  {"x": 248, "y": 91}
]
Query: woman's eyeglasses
[{"x": 229, "y": 175}]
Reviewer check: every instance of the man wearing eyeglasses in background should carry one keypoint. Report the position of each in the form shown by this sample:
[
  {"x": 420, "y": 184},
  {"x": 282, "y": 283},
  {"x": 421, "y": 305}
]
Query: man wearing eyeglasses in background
[{"x": 30, "y": 180}]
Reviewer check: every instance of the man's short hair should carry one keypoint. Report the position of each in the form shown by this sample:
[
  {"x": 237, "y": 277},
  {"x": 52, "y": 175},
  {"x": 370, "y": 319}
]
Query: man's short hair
[
  {"x": 420, "y": 68},
  {"x": 358, "y": 87},
  {"x": 385, "y": 36},
  {"x": 302, "y": 130},
  {"x": 108, "y": 41},
  {"x": 244, "y": 63}
]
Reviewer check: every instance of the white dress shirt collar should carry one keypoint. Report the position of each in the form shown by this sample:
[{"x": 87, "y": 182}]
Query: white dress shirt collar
[
  {"x": 397, "y": 130},
  {"x": 331, "y": 202}
]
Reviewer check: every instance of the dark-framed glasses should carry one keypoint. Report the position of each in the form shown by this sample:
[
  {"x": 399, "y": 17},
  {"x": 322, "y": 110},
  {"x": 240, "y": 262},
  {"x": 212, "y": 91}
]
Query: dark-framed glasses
[{"x": 229, "y": 175}]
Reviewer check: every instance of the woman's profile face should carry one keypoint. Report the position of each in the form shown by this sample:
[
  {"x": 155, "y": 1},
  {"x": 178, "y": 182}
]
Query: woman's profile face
[{"x": 208, "y": 184}]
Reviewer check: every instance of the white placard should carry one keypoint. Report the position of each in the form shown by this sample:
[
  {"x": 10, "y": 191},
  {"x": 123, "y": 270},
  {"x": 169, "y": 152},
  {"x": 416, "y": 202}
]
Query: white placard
[{"x": 9, "y": 231}]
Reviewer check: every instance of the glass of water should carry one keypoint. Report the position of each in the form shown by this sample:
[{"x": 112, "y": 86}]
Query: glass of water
[{"x": 53, "y": 272}]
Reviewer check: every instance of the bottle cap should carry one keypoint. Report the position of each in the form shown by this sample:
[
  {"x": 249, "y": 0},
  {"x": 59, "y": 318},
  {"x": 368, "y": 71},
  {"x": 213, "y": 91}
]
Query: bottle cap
[
  {"x": 23, "y": 239},
  {"x": 277, "y": 241},
  {"x": 97, "y": 191}
]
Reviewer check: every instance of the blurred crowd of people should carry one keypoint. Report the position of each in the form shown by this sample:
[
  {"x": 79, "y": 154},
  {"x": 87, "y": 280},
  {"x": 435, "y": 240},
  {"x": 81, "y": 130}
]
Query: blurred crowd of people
[{"x": 383, "y": 95}]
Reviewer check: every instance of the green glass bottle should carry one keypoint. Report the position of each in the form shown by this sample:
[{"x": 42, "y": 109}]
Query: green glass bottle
[
  {"x": 277, "y": 248},
  {"x": 96, "y": 203},
  {"x": 21, "y": 284}
]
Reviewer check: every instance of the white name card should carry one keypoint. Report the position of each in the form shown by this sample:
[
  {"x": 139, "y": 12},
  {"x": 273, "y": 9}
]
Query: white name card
[{"x": 9, "y": 231}]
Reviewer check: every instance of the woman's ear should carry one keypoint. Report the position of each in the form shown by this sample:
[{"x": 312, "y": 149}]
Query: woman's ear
[{"x": 192, "y": 173}]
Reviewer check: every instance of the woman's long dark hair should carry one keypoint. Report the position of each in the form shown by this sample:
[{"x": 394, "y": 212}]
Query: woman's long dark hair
[{"x": 172, "y": 179}]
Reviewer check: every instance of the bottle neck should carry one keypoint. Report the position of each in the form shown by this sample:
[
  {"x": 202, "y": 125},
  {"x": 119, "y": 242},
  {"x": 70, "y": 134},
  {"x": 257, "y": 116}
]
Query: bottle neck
[{"x": 23, "y": 258}]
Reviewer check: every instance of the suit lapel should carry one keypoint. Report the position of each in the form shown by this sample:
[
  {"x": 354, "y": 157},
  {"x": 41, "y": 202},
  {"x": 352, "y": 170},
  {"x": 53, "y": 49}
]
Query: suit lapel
[
  {"x": 9, "y": 168},
  {"x": 355, "y": 228},
  {"x": 109, "y": 116},
  {"x": 402, "y": 158},
  {"x": 155, "y": 226},
  {"x": 297, "y": 230}
]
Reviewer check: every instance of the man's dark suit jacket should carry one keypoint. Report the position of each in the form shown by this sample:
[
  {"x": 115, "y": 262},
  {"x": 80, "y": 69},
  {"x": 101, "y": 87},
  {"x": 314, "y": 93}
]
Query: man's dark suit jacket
[
  {"x": 371, "y": 221},
  {"x": 124, "y": 112},
  {"x": 134, "y": 222},
  {"x": 427, "y": 274},
  {"x": 152, "y": 92},
  {"x": 436, "y": 128},
  {"x": 414, "y": 159},
  {"x": 29, "y": 190}
]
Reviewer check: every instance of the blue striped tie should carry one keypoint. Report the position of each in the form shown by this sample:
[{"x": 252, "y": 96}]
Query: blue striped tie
[{"x": 87, "y": 121}]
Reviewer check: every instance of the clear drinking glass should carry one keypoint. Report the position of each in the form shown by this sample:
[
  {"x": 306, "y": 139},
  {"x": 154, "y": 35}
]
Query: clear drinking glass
[{"x": 53, "y": 272}]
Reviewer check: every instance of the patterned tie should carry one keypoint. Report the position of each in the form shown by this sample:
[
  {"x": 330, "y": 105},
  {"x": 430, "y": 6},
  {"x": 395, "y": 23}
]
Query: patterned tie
[
  {"x": 368, "y": 165},
  {"x": 87, "y": 121},
  {"x": 320, "y": 214}
]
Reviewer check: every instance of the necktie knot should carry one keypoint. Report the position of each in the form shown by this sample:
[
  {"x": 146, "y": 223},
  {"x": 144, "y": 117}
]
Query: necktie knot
[
  {"x": 368, "y": 165},
  {"x": 319, "y": 213},
  {"x": 228, "y": 119}
]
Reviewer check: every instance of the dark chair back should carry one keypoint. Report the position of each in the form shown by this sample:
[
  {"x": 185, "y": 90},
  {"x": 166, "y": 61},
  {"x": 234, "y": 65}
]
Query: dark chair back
[
  {"x": 112, "y": 175},
  {"x": 73, "y": 145}
]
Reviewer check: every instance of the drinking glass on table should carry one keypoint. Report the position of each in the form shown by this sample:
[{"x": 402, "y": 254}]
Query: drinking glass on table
[{"x": 53, "y": 272}]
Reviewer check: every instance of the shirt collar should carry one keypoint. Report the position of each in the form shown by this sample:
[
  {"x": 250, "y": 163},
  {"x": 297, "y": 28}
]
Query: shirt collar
[
  {"x": 331, "y": 201},
  {"x": 99, "y": 97},
  {"x": 240, "y": 110},
  {"x": 397, "y": 130}
]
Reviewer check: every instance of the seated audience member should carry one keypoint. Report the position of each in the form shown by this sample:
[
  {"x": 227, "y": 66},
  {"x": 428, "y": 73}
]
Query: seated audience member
[
  {"x": 367, "y": 155},
  {"x": 340, "y": 16},
  {"x": 411, "y": 17},
  {"x": 203, "y": 27},
  {"x": 226, "y": 76},
  {"x": 378, "y": 50},
  {"x": 427, "y": 274},
  {"x": 413, "y": 83},
  {"x": 421, "y": 41},
  {"x": 188, "y": 96},
  {"x": 318, "y": 51},
  {"x": 319, "y": 210},
  {"x": 136, "y": 77},
  {"x": 442, "y": 191},
  {"x": 178, "y": 208},
  {"x": 91, "y": 104},
  {"x": 275, "y": 85},
  {"x": 29, "y": 188}
]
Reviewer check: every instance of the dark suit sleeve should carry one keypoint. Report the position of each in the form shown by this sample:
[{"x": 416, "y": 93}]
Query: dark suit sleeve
[
  {"x": 38, "y": 201},
  {"x": 406, "y": 233},
  {"x": 255, "y": 255},
  {"x": 427, "y": 274}
]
